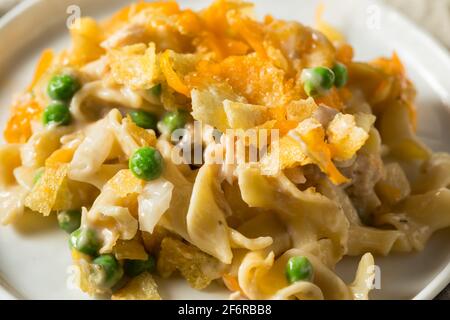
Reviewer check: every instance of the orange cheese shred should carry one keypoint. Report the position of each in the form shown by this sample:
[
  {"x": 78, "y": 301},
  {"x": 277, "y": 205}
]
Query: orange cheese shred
[
  {"x": 44, "y": 63},
  {"x": 18, "y": 127},
  {"x": 231, "y": 282},
  {"x": 172, "y": 78},
  {"x": 250, "y": 32}
]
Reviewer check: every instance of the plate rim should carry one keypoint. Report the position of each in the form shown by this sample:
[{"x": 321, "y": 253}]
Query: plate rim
[{"x": 442, "y": 279}]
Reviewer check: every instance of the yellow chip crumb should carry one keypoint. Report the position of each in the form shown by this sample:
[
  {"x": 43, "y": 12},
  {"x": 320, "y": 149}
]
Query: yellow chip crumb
[
  {"x": 344, "y": 137},
  {"x": 125, "y": 183},
  {"x": 130, "y": 249},
  {"x": 134, "y": 66},
  {"x": 197, "y": 267},
  {"x": 144, "y": 138},
  {"x": 142, "y": 287},
  {"x": 46, "y": 192}
]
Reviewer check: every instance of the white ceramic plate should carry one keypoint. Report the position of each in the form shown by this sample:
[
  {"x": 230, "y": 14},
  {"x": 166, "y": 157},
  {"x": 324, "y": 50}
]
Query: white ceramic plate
[{"x": 33, "y": 254}]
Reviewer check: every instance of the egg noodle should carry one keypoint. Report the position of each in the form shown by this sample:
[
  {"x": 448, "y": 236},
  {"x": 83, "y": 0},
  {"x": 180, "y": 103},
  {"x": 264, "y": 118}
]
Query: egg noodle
[{"x": 339, "y": 170}]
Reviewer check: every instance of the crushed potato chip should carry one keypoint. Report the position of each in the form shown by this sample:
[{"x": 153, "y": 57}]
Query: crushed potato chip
[
  {"x": 331, "y": 99},
  {"x": 290, "y": 154},
  {"x": 215, "y": 16},
  {"x": 142, "y": 287},
  {"x": 83, "y": 271},
  {"x": 48, "y": 191},
  {"x": 250, "y": 76},
  {"x": 364, "y": 120},
  {"x": 65, "y": 198},
  {"x": 143, "y": 138},
  {"x": 300, "y": 110},
  {"x": 130, "y": 249},
  {"x": 128, "y": 135},
  {"x": 175, "y": 66},
  {"x": 207, "y": 104},
  {"x": 82, "y": 275},
  {"x": 124, "y": 15},
  {"x": 125, "y": 183},
  {"x": 198, "y": 268},
  {"x": 152, "y": 241},
  {"x": 134, "y": 66},
  {"x": 312, "y": 134},
  {"x": 344, "y": 137},
  {"x": 86, "y": 38},
  {"x": 244, "y": 115},
  {"x": 250, "y": 31}
]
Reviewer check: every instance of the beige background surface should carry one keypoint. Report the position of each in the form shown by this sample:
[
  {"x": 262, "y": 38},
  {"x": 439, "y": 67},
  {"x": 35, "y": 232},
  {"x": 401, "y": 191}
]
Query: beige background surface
[{"x": 432, "y": 15}]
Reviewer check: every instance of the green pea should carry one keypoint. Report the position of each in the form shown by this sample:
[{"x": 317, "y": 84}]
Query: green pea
[
  {"x": 85, "y": 240},
  {"x": 38, "y": 175},
  {"x": 172, "y": 121},
  {"x": 69, "y": 220},
  {"x": 146, "y": 163},
  {"x": 144, "y": 119},
  {"x": 56, "y": 113},
  {"x": 317, "y": 80},
  {"x": 299, "y": 268},
  {"x": 134, "y": 268},
  {"x": 62, "y": 87},
  {"x": 341, "y": 75},
  {"x": 106, "y": 271},
  {"x": 156, "y": 90}
]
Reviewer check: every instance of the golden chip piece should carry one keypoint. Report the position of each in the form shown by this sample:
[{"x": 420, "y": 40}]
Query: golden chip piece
[
  {"x": 130, "y": 249},
  {"x": 175, "y": 66},
  {"x": 48, "y": 191},
  {"x": 152, "y": 241},
  {"x": 86, "y": 38},
  {"x": 143, "y": 138},
  {"x": 142, "y": 287},
  {"x": 244, "y": 115},
  {"x": 197, "y": 267},
  {"x": 250, "y": 76},
  {"x": 300, "y": 110},
  {"x": 125, "y": 183},
  {"x": 134, "y": 66},
  {"x": 344, "y": 137},
  {"x": 207, "y": 104},
  {"x": 312, "y": 134},
  {"x": 82, "y": 266},
  {"x": 290, "y": 154}
]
